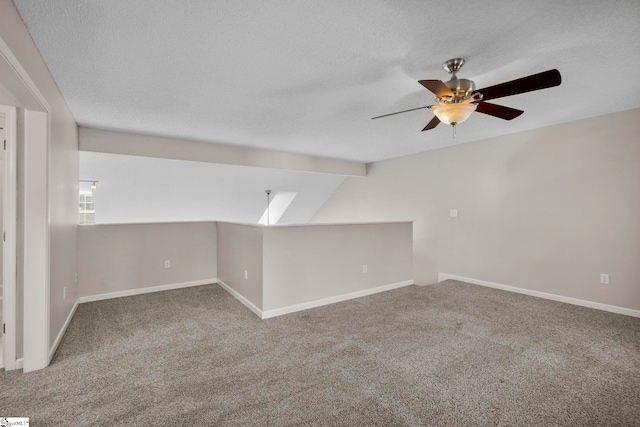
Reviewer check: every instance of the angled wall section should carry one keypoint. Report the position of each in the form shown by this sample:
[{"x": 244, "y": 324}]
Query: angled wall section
[{"x": 240, "y": 264}]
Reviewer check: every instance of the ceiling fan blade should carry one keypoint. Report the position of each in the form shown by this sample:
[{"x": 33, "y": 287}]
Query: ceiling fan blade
[
  {"x": 498, "y": 111},
  {"x": 400, "y": 112},
  {"x": 433, "y": 123},
  {"x": 437, "y": 87},
  {"x": 538, "y": 81}
]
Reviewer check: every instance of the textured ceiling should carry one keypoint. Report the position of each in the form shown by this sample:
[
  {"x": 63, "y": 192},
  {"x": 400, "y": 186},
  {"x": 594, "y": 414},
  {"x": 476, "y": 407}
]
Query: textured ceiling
[{"x": 307, "y": 76}]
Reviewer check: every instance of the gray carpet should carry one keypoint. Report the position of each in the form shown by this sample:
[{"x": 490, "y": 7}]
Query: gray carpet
[{"x": 451, "y": 354}]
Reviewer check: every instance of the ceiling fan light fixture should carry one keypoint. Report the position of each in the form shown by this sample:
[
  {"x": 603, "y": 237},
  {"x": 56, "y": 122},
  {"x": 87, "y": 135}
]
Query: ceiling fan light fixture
[
  {"x": 454, "y": 113},
  {"x": 457, "y": 98}
]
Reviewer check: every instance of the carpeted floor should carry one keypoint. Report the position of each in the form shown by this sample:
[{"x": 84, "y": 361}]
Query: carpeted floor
[{"x": 451, "y": 354}]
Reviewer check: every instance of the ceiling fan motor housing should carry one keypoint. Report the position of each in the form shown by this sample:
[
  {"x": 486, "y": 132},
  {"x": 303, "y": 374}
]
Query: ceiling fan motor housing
[{"x": 461, "y": 88}]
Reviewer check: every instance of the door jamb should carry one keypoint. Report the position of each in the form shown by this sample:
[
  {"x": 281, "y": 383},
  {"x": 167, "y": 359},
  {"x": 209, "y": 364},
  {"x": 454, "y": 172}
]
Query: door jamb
[{"x": 9, "y": 241}]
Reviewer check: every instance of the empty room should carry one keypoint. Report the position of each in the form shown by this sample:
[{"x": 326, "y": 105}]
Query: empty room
[{"x": 381, "y": 213}]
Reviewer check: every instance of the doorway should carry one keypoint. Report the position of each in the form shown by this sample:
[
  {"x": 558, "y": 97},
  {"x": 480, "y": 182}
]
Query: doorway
[
  {"x": 8, "y": 204},
  {"x": 2, "y": 168}
]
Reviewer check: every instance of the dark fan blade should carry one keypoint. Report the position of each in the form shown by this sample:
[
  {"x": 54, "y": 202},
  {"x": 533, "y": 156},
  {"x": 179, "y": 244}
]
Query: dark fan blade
[
  {"x": 538, "y": 81},
  {"x": 437, "y": 87},
  {"x": 433, "y": 123},
  {"x": 498, "y": 111},
  {"x": 400, "y": 112}
]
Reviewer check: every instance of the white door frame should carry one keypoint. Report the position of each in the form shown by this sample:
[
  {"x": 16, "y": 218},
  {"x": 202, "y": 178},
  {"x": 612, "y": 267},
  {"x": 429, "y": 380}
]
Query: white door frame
[
  {"x": 36, "y": 132},
  {"x": 36, "y": 273},
  {"x": 9, "y": 259}
]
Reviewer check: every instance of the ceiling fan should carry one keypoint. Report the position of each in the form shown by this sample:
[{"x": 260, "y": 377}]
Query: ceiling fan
[{"x": 457, "y": 98}]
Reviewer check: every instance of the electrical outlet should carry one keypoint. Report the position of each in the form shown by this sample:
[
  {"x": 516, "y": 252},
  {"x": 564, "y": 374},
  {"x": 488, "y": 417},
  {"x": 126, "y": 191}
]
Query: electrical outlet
[
  {"x": 453, "y": 213},
  {"x": 364, "y": 268},
  {"x": 64, "y": 293},
  {"x": 246, "y": 275},
  {"x": 604, "y": 279},
  {"x": 167, "y": 264}
]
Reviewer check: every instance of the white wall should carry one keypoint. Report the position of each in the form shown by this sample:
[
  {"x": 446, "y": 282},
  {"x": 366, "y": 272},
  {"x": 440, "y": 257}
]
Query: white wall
[
  {"x": 124, "y": 257},
  {"x": 285, "y": 265},
  {"x": 240, "y": 249},
  {"x": 63, "y": 178},
  {"x": 546, "y": 210},
  {"x": 7, "y": 97},
  {"x": 62, "y": 166},
  {"x": 313, "y": 262}
]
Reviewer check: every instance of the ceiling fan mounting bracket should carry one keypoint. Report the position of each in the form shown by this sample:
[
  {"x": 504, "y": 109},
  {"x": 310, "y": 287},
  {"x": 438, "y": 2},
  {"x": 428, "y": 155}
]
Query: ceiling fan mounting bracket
[{"x": 453, "y": 65}]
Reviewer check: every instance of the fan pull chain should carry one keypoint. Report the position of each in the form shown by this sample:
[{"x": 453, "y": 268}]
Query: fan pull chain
[{"x": 453, "y": 125}]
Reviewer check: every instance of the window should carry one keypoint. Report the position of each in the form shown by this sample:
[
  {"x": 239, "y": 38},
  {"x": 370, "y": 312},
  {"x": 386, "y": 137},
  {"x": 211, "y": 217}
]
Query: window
[
  {"x": 87, "y": 213},
  {"x": 276, "y": 208}
]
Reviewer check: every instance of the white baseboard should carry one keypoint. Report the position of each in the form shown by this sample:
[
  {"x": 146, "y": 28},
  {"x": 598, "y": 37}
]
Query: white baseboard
[
  {"x": 56, "y": 343},
  {"x": 560, "y": 298},
  {"x": 251, "y": 306},
  {"x": 19, "y": 363},
  {"x": 140, "y": 291},
  {"x": 331, "y": 300}
]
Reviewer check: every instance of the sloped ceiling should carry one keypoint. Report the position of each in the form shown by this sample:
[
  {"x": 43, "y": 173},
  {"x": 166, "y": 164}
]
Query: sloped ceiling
[
  {"x": 143, "y": 189},
  {"x": 307, "y": 76}
]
